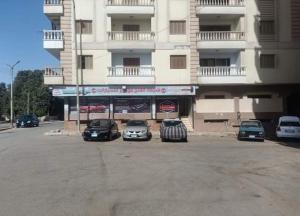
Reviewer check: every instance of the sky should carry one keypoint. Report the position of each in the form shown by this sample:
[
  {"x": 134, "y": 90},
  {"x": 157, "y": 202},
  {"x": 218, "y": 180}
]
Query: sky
[{"x": 22, "y": 23}]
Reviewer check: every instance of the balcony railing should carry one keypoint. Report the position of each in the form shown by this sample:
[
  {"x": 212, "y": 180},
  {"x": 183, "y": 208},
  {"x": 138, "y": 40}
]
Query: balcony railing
[
  {"x": 53, "y": 35},
  {"x": 221, "y": 3},
  {"x": 131, "y": 36},
  {"x": 130, "y": 2},
  {"x": 53, "y": 2},
  {"x": 131, "y": 71},
  {"x": 54, "y": 72},
  {"x": 221, "y": 36},
  {"x": 221, "y": 71}
]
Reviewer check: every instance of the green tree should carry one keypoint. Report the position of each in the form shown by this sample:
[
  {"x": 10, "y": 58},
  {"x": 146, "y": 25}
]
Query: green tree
[
  {"x": 29, "y": 90},
  {"x": 4, "y": 99}
]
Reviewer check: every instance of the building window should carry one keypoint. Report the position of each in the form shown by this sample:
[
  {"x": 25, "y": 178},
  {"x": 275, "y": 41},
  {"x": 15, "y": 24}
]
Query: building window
[
  {"x": 84, "y": 26},
  {"x": 178, "y": 61},
  {"x": 85, "y": 62},
  {"x": 267, "y": 27},
  {"x": 262, "y": 96},
  {"x": 177, "y": 27},
  {"x": 214, "y": 96},
  {"x": 212, "y": 62},
  {"x": 267, "y": 61}
]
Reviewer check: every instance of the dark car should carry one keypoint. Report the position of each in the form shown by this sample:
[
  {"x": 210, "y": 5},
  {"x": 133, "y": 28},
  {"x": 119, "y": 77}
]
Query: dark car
[
  {"x": 173, "y": 129},
  {"x": 101, "y": 129},
  {"x": 27, "y": 120},
  {"x": 251, "y": 130}
]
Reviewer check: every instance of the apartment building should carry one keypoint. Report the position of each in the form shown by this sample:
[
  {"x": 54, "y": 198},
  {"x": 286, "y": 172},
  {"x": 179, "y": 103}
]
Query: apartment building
[{"x": 210, "y": 62}]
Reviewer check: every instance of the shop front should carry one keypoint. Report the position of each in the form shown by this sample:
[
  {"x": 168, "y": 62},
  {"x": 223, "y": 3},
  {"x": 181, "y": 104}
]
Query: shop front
[{"x": 127, "y": 102}]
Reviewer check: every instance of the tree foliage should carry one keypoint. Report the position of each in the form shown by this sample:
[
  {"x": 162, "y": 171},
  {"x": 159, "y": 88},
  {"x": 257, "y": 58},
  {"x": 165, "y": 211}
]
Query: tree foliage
[
  {"x": 4, "y": 99},
  {"x": 30, "y": 92}
]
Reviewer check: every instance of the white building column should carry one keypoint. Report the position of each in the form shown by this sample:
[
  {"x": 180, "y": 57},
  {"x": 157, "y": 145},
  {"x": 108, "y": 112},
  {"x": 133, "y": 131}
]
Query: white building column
[
  {"x": 66, "y": 109},
  {"x": 153, "y": 104}
]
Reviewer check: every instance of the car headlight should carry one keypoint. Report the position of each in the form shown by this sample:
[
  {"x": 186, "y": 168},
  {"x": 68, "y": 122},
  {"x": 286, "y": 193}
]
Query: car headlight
[
  {"x": 28, "y": 122},
  {"x": 243, "y": 132},
  {"x": 261, "y": 133}
]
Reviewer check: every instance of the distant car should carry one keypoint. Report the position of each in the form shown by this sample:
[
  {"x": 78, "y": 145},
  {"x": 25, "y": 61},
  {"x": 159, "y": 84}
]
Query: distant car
[
  {"x": 101, "y": 129},
  {"x": 173, "y": 129},
  {"x": 251, "y": 130},
  {"x": 288, "y": 127},
  {"x": 27, "y": 120},
  {"x": 136, "y": 130}
]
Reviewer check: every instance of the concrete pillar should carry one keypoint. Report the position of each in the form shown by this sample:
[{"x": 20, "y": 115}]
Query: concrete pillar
[
  {"x": 111, "y": 108},
  {"x": 153, "y": 103},
  {"x": 66, "y": 109}
]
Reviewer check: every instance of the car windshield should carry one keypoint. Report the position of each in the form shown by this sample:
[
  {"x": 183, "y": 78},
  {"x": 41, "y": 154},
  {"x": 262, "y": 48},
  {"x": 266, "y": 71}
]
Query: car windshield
[
  {"x": 290, "y": 124},
  {"x": 251, "y": 124},
  {"x": 99, "y": 123},
  {"x": 136, "y": 123},
  {"x": 172, "y": 123},
  {"x": 25, "y": 117}
]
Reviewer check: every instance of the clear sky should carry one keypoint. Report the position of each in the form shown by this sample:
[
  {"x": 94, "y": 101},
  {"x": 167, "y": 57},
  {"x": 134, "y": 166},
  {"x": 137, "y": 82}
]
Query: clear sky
[{"x": 22, "y": 23}]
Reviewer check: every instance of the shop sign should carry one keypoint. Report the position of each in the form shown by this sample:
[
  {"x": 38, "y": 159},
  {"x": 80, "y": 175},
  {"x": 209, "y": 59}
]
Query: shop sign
[
  {"x": 125, "y": 91},
  {"x": 167, "y": 105}
]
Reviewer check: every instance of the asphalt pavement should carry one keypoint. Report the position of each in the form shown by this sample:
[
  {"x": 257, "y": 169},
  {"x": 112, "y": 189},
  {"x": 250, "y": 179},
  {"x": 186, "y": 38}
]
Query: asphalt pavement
[{"x": 63, "y": 175}]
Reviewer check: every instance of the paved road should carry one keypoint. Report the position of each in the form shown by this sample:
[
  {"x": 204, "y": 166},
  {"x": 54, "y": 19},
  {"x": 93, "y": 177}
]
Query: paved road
[{"x": 42, "y": 175}]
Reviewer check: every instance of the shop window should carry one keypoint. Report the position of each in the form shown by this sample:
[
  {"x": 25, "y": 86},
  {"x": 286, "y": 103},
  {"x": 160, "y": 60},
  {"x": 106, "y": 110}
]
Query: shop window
[
  {"x": 132, "y": 105},
  {"x": 90, "y": 105},
  {"x": 167, "y": 105}
]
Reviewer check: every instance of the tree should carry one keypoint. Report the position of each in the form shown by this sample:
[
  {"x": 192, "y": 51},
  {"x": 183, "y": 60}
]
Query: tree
[
  {"x": 4, "y": 100},
  {"x": 30, "y": 85}
]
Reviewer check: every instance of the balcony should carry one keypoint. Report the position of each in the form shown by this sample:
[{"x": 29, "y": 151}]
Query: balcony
[
  {"x": 53, "y": 76},
  {"x": 130, "y": 40},
  {"x": 142, "y": 7},
  {"x": 131, "y": 75},
  {"x": 53, "y": 39},
  {"x": 221, "y": 7},
  {"x": 221, "y": 40},
  {"x": 221, "y": 75},
  {"x": 53, "y": 8}
]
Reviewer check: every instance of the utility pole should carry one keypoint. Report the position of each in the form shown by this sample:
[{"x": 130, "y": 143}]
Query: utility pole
[
  {"x": 28, "y": 102},
  {"x": 76, "y": 65},
  {"x": 11, "y": 93}
]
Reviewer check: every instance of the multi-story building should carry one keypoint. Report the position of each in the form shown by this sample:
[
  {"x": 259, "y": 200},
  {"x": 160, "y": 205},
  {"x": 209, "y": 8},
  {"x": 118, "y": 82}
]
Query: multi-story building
[{"x": 209, "y": 62}]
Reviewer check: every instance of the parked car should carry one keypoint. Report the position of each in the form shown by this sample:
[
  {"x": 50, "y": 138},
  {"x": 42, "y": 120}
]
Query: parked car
[
  {"x": 27, "y": 120},
  {"x": 288, "y": 127},
  {"x": 173, "y": 129},
  {"x": 101, "y": 129},
  {"x": 251, "y": 130},
  {"x": 136, "y": 130}
]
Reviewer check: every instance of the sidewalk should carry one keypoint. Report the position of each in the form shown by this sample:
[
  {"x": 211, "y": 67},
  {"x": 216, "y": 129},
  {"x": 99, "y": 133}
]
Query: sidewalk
[{"x": 4, "y": 126}]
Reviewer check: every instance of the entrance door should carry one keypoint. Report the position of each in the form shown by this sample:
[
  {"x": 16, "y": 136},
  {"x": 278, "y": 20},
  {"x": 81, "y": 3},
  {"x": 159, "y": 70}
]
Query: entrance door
[{"x": 184, "y": 106}]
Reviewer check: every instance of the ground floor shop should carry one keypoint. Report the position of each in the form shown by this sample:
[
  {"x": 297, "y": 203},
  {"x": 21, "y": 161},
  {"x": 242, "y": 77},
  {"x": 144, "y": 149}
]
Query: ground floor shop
[
  {"x": 203, "y": 108},
  {"x": 122, "y": 103}
]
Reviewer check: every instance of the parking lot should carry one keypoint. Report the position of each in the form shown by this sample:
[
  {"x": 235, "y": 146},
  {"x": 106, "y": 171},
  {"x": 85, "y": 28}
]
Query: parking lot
[{"x": 209, "y": 175}]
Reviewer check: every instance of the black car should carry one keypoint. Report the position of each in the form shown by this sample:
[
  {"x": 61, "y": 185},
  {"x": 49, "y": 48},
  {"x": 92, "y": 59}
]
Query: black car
[
  {"x": 27, "y": 120},
  {"x": 101, "y": 129}
]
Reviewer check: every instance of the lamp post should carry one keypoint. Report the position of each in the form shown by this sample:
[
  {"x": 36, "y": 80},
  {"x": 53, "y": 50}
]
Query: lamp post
[
  {"x": 11, "y": 93},
  {"x": 76, "y": 64}
]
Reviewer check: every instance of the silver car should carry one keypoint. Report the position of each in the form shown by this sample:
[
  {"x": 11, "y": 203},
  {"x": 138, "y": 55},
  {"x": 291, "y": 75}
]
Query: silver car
[{"x": 136, "y": 130}]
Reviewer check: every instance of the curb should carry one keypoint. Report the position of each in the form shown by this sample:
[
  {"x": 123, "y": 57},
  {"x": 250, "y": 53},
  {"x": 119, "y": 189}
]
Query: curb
[{"x": 4, "y": 129}]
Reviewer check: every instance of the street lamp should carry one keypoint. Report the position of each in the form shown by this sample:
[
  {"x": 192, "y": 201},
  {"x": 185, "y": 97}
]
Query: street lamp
[
  {"x": 11, "y": 93},
  {"x": 76, "y": 64}
]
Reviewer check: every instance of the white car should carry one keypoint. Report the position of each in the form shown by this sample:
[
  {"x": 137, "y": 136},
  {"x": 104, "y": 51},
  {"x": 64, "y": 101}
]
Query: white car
[{"x": 288, "y": 127}]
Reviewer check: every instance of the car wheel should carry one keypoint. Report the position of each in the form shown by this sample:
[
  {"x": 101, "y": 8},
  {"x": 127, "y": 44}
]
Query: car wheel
[
  {"x": 110, "y": 136},
  {"x": 163, "y": 140},
  {"x": 124, "y": 139},
  {"x": 185, "y": 139},
  {"x": 85, "y": 139}
]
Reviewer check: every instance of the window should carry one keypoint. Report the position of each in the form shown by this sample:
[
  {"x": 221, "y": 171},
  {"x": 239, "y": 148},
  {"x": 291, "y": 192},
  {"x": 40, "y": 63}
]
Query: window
[
  {"x": 178, "y": 61},
  {"x": 267, "y": 61},
  {"x": 212, "y": 62},
  {"x": 267, "y": 27},
  {"x": 177, "y": 27},
  {"x": 84, "y": 26},
  {"x": 85, "y": 62},
  {"x": 262, "y": 96},
  {"x": 214, "y": 96}
]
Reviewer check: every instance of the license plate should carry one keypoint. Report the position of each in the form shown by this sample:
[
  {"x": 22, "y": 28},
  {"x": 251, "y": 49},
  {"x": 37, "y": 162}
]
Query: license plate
[
  {"x": 289, "y": 131},
  {"x": 94, "y": 135},
  {"x": 134, "y": 136},
  {"x": 251, "y": 136}
]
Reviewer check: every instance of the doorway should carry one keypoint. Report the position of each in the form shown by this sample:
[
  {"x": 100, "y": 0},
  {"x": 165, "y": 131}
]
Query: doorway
[{"x": 184, "y": 106}]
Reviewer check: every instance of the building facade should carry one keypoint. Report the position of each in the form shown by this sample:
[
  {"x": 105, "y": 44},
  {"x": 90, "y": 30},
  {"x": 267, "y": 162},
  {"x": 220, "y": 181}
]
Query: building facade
[{"x": 212, "y": 63}]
